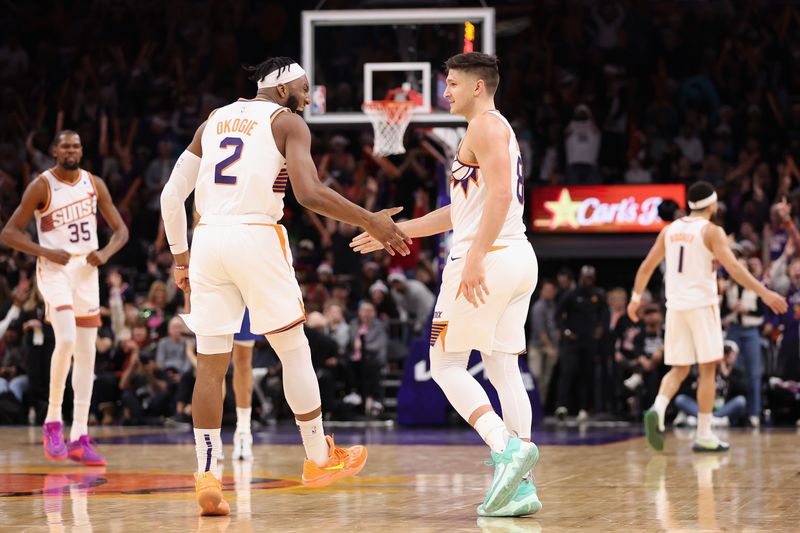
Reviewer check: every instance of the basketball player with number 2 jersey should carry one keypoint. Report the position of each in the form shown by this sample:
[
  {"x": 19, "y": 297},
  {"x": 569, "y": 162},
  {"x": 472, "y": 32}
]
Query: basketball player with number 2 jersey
[
  {"x": 239, "y": 165},
  {"x": 487, "y": 283},
  {"x": 64, "y": 201},
  {"x": 693, "y": 331}
]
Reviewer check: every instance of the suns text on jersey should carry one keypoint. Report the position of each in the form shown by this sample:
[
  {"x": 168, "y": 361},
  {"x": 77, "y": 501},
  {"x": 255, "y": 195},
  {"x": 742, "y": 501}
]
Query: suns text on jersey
[{"x": 70, "y": 213}]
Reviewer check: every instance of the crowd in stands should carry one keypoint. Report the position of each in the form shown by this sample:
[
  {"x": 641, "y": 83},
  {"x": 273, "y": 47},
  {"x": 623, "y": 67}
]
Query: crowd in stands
[{"x": 611, "y": 92}]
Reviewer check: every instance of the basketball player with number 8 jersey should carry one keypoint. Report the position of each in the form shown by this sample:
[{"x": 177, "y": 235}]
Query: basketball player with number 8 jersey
[
  {"x": 487, "y": 284},
  {"x": 693, "y": 329}
]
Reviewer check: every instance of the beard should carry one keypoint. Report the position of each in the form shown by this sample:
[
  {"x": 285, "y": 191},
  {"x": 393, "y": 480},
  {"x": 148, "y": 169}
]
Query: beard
[
  {"x": 71, "y": 165},
  {"x": 292, "y": 102}
]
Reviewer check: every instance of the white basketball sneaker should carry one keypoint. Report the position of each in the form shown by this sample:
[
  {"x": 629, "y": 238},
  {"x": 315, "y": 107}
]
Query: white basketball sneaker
[{"x": 242, "y": 446}]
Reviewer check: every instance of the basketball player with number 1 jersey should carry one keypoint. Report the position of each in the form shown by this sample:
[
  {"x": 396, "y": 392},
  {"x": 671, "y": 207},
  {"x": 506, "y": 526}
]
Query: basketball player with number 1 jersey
[
  {"x": 693, "y": 330},
  {"x": 487, "y": 283},
  {"x": 64, "y": 201}
]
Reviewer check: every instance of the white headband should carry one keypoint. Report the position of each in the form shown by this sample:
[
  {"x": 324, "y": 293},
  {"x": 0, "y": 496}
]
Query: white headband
[
  {"x": 705, "y": 202},
  {"x": 281, "y": 76}
]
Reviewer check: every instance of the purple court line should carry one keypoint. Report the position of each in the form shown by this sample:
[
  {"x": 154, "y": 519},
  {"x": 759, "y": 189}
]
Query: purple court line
[{"x": 378, "y": 436}]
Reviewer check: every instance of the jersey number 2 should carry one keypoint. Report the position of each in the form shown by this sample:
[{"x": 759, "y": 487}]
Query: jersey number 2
[
  {"x": 223, "y": 165},
  {"x": 680, "y": 261}
]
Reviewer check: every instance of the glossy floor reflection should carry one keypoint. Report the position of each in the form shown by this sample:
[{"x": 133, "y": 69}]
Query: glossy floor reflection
[{"x": 621, "y": 486}]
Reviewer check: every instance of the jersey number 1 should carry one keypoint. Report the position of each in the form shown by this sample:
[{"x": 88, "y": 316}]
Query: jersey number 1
[
  {"x": 223, "y": 165},
  {"x": 680, "y": 261}
]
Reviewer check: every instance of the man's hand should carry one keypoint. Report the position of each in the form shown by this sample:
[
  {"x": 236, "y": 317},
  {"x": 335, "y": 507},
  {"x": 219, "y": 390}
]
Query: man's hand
[
  {"x": 473, "y": 280},
  {"x": 383, "y": 229},
  {"x": 365, "y": 243},
  {"x": 97, "y": 258},
  {"x": 633, "y": 311},
  {"x": 776, "y": 302},
  {"x": 61, "y": 257},
  {"x": 181, "y": 275}
]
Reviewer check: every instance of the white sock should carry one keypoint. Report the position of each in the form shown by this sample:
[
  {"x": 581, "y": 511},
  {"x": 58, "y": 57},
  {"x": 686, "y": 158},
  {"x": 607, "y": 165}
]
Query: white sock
[
  {"x": 704, "y": 426},
  {"x": 660, "y": 405},
  {"x": 493, "y": 431},
  {"x": 64, "y": 328},
  {"x": 243, "y": 419},
  {"x": 314, "y": 442},
  {"x": 83, "y": 380},
  {"x": 207, "y": 446}
]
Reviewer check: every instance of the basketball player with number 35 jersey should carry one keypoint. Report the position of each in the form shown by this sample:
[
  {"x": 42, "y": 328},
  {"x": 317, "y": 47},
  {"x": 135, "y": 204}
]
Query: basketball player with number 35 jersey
[
  {"x": 64, "y": 201},
  {"x": 487, "y": 283},
  {"x": 693, "y": 330},
  {"x": 239, "y": 165}
]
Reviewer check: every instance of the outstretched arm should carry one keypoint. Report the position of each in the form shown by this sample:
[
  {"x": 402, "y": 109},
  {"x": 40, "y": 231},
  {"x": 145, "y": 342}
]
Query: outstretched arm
[
  {"x": 432, "y": 223},
  {"x": 645, "y": 272},
  {"x": 293, "y": 139},
  {"x": 717, "y": 242}
]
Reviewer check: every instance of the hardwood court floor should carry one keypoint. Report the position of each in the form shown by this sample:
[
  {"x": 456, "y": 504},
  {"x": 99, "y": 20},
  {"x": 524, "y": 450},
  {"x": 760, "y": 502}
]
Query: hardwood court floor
[{"x": 621, "y": 486}]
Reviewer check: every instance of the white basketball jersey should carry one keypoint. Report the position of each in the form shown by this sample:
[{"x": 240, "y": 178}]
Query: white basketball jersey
[
  {"x": 691, "y": 277},
  {"x": 468, "y": 199},
  {"x": 242, "y": 172},
  {"x": 68, "y": 221}
]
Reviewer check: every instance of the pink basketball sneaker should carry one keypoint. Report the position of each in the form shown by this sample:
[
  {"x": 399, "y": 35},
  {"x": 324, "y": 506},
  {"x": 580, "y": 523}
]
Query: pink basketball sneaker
[
  {"x": 54, "y": 447},
  {"x": 82, "y": 451}
]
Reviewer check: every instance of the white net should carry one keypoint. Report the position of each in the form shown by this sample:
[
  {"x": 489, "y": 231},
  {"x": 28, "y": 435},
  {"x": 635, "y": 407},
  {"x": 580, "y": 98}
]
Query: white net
[{"x": 389, "y": 122}]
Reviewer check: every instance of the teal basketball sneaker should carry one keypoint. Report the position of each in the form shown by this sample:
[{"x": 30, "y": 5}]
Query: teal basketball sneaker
[
  {"x": 524, "y": 502},
  {"x": 510, "y": 467},
  {"x": 654, "y": 434}
]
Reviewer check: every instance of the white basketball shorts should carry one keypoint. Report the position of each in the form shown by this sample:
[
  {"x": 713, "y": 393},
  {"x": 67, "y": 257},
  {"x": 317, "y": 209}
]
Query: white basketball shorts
[
  {"x": 237, "y": 265},
  {"x": 693, "y": 336},
  {"x": 72, "y": 286},
  {"x": 497, "y": 325}
]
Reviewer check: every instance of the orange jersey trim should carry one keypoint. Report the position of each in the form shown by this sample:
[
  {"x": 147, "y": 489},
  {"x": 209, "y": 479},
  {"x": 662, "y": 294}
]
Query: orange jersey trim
[
  {"x": 90, "y": 321},
  {"x": 281, "y": 238},
  {"x": 62, "y": 180},
  {"x": 49, "y": 194},
  {"x": 63, "y": 307},
  {"x": 438, "y": 330},
  {"x": 94, "y": 183}
]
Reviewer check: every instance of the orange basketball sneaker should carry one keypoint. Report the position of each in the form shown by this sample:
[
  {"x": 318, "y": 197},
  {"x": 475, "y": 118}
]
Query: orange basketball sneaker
[
  {"x": 342, "y": 462},
  {"x": 209, "y": 495}
]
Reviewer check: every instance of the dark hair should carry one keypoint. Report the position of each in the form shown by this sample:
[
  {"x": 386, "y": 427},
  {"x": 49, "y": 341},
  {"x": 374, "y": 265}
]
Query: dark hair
[
  {"x": 699, "y": 191},
  {"x": 61, "y": 134},
  {"x": 667, "y": 209},
  {"x": 484, "y": 66},
  {"x": 258, "y": 72}
]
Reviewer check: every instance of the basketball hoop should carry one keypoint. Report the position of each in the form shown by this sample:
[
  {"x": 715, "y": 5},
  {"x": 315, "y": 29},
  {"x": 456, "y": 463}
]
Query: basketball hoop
[{"x": 389, "y": 119}]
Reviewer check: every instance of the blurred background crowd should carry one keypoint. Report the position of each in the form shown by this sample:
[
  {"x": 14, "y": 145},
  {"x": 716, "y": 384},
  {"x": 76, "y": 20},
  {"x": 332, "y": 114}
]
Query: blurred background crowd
[{"x": 668, "y": 92}]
